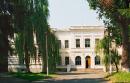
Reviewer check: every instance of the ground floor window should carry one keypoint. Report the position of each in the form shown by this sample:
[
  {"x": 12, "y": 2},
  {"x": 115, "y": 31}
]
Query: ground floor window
[
  {"x": 78, "y": 60},
  {"x": 97, "y": 60},
  {"x": 66, "y": 60}
]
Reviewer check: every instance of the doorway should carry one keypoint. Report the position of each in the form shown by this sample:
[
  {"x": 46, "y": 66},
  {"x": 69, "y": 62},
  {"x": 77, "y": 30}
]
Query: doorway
[{"x": 88, "y": 61}]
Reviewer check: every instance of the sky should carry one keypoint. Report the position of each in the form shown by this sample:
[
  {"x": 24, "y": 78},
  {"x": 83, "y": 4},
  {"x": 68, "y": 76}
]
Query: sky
[{"x": 66, "y": 13}]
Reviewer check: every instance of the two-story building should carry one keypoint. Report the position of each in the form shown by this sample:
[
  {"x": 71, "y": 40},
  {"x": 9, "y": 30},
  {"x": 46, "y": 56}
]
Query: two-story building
[{"x": 77, "y": 46}]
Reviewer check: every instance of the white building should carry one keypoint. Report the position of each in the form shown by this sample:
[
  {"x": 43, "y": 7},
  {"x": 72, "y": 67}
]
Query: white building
[{"x": 78, "y": 46}]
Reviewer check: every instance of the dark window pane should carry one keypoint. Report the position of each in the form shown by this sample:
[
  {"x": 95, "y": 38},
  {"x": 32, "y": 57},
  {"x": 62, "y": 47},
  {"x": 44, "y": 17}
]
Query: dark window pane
[
  {"x": 66, "y": 44},
  {"x": 66, "y": 60},
  {"x": 97, "y": 60},
  {"x": 59, "y": 42},
  {"x": 77, "y": 43},
  {"x": 87, "y": 42},
  {"x": 78, "y": 60}
]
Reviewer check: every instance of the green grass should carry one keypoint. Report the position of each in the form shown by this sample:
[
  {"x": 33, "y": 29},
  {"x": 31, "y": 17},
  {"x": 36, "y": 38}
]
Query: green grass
[
  {"x": 121, "y": 77},
  {"x": 31, "y": 76}
]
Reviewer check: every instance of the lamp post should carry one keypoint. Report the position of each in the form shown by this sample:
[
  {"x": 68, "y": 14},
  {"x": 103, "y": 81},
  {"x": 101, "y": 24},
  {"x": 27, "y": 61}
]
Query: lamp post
[
  {"x": 110, "y": 70},
  {"x": 46, "y": 54}
]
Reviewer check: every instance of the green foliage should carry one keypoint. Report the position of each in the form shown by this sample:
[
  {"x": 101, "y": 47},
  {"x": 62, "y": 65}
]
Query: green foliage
[
  {"x": 115, "y": 57},
  {"x": 31, "y": 76},
  {"x": 121, "y": 77},
  {"x": 109, "y": 15},
  {"x": 53, "y": 52},
  {"x": 116, "y": 17},
  {"x": 30, "y": 19},
  {"x": 103, "y": 45},
  {"x": 125, "y": 12}
]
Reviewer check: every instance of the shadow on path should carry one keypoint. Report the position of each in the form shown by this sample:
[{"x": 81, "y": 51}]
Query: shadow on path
[{"x": 86, "y": 80}]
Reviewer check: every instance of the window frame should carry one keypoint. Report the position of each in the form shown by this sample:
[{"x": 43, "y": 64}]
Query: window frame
[
  {"x": 87, "y": 43},
  {"x": 77, "y": 43},
  {"x": 66, "y": 43},
  {"x": 97, "y": 60},
  {"x": 67, "y": 60},
  {"x": 78, "y": 60},
  {"x": 59, "y": 43},
  {"x": 97, "y": 40}
]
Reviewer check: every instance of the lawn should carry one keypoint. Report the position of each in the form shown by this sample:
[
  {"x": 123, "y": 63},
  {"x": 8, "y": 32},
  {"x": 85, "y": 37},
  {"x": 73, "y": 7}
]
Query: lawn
[
  {"x": 31, "y": 76},
  {"x": 120, "y": 77}
]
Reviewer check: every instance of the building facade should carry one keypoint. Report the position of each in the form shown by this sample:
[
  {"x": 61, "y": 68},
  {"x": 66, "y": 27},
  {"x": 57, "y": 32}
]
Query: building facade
[{"x": 77, "y": 46}]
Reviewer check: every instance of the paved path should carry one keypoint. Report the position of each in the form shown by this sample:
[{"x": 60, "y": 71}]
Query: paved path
[{"x": 82, "y": 76}]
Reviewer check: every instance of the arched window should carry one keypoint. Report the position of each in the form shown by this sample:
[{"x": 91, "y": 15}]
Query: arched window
[
  {"x": 97, "y": 60},
  {"x": 78, "y": 60}
]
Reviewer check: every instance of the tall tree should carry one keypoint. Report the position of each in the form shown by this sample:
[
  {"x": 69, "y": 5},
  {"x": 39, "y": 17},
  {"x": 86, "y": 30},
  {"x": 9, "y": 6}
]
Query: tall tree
[
  {"x": 6, "y": 32},
  {"x": 24, "y": 30},
  {"x": 116, "y": 12},
  {"x": 31, "y": 21}
]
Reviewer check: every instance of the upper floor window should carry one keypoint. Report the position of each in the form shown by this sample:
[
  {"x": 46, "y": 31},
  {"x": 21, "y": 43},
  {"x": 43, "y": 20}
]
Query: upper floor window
[
  {"x": 78, "y": 60},
  {"x": 66, "y": 60},
  {"x": 59, "y": 42},
  {"x": 66, "y": 44},
  {"x": 97, "y": 60},
  {"x": 77, "y": 43},
  {"x": 87, "y": 43},
  {"x": 96, "y": 41}
]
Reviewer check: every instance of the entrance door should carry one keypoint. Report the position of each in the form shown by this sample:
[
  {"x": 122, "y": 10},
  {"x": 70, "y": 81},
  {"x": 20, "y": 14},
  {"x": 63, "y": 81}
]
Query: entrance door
[{"x": 88, "y": 61}]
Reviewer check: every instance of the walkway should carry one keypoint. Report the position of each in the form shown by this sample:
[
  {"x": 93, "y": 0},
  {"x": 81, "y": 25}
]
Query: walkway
[{"x": 82, "y": 76}]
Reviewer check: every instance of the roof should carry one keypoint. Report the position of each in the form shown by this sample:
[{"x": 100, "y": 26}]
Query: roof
[{"x": 71, "y": 28}]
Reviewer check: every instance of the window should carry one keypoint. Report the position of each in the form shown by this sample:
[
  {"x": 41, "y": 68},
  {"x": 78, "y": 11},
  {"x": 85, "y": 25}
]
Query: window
[
  {"x": 66, "y": 44},
  {"x": 96, "y": 41},
  {"x": 78, "y": 60},
  {"x": 66, "y": 60},
  {"x": 59, "y": 42},
  {"x": 87, "y": 43},
  {"x": 97, "y": 60},
  {"x": 77, "y": 43}
]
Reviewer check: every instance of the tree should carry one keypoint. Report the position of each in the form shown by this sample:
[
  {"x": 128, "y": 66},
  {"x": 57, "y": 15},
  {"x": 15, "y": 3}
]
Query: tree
[
  {"x": 103, "y": 46},
  {"x": 24, "y": 30},
  {"x": 31, "y": 22},
  {"x": 115, "y": 58},
  {"x": 6, "y": 32},
  {"x": 116, "y": 14},
  {"x": 109, "y": 54},
  {"x": 53, "y": 52}
]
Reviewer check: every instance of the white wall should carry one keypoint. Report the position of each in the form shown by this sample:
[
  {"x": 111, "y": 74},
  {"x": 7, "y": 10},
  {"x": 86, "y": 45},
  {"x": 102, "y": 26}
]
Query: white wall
[{"x": 81, "y": 33}]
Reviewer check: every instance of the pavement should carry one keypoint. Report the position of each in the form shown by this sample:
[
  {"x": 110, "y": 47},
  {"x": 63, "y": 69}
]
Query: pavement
[{"x": 80, "y": 76}]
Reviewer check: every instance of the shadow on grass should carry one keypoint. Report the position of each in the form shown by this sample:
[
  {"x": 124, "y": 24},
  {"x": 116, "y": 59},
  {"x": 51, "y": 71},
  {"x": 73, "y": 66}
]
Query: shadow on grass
[{"x": 30, "y": 76}]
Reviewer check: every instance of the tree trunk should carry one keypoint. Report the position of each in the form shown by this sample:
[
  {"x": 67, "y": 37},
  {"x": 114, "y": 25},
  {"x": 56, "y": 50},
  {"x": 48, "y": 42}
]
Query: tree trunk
[
  {"x": 44, "y": 64},
  {"x": 4, "y": 59},
  {"x": 27, "y": 59},
  {"x": 126, "y": 48},
  {"x": 117, "y": 69},
  {"x": 4, "y": 43}
]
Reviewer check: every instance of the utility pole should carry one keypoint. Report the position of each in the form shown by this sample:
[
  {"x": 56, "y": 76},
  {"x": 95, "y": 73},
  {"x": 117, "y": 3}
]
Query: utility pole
[{"x": 46, "y": 54}]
